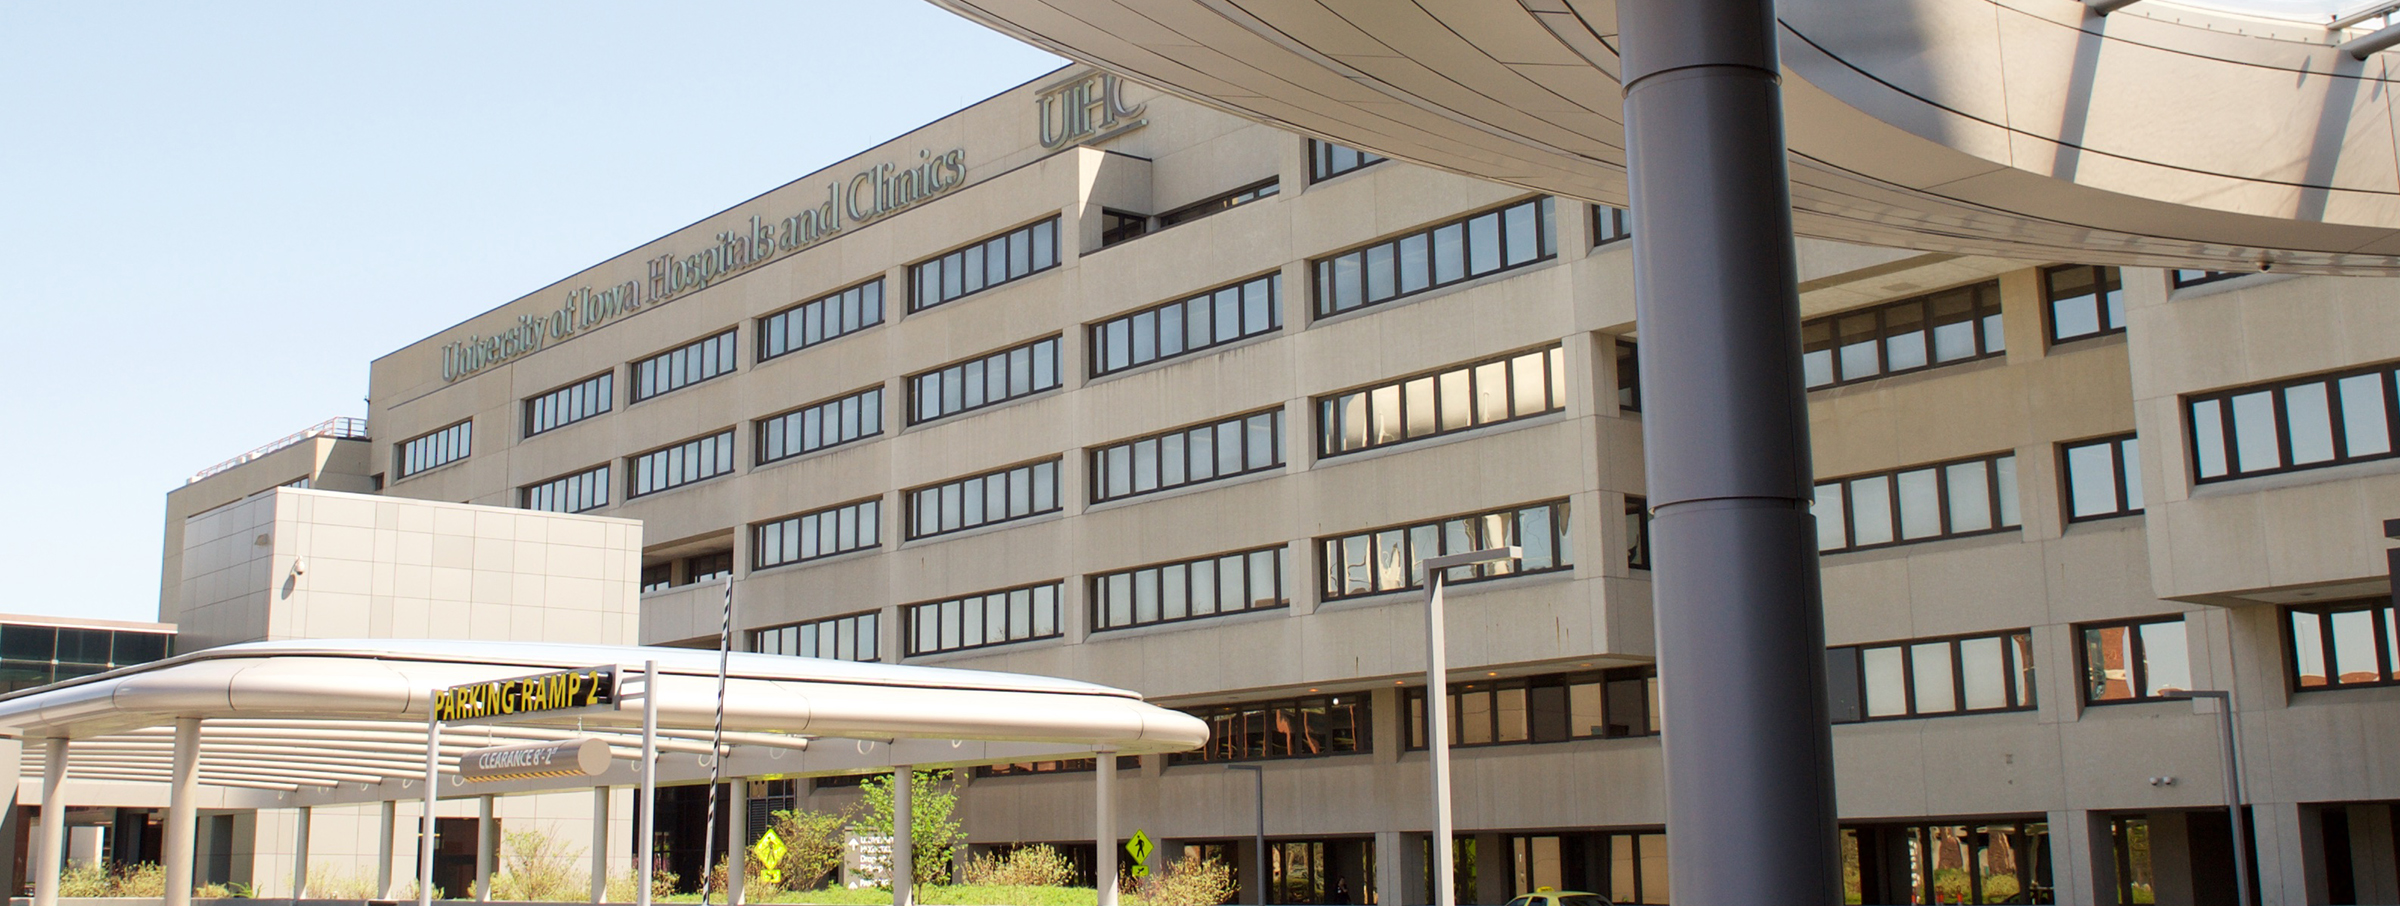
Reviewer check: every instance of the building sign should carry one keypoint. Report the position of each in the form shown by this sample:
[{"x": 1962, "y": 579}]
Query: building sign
[
  {"x": 584, "y": 757},
  {"x": 868, "y": 195},
  {"x": 565, "y": 690},
  {"x": 1087, "y": 108}
]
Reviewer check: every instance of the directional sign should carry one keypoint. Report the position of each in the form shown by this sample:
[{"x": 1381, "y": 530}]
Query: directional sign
[
  {"x": 770, "y": 850},
  {"x": 1140, "y": 848}
]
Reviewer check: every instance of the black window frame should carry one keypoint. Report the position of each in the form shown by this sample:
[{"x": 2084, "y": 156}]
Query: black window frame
[
  {"x": 913, "y": 613},
  {"x": 2001, "y": 503},
  {"x": 2102, "y": 277},
  {"x": 1331, "y": 566},
  {"x": 794, "y": 421},
  {"x": 2278, "y": 391},
  {"x": 2125, "y": 459},
  {"x": 1637, "y": 532},
  {"x": 917, "y": 391},
  {"x": 1412, "y": 701},
  {"x": 438, "y": 446},
  {"x": 1118, "y": 226},
  {"x": 1629, "y": 376},
  {"x": 1322, "y": 166},
  {"x": 598, "y": 391},
  {"x": 927, "y": 293},
  {"x": 724, "y": 442},
  {"x": 1332, "y": 415},
  {"x": 910, "y": 498},
  {"x": 2188, "y": 277},
  {"x": 1277, "y": 583},
  {"x": 2137, "y": 673},
  {"x": 1847, "y": 689},
  {"x": 866, "y": 521},
  {"x": 873, "y": 619},
  {"x": 1220, "y": 747},
  {"x": 1610, "y": 225},
  {"x": 593, "y": 482},
  {"x": 1325, "y": 270},
  {"x": 1991, "y": 336},
  {"x": 868, "y": 294},
  {"x": 2382, "y": 625},
  {"x": 726, "y": 345},
  {"x": 1268, "y": 286},
  {"x": 1099, "y": 472}
]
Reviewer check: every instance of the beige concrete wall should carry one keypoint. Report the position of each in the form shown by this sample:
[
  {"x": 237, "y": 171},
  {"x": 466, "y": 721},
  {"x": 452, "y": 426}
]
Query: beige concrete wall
[
  {"x": 344, "y": 842},
  {"x": 325, "y": 463}
]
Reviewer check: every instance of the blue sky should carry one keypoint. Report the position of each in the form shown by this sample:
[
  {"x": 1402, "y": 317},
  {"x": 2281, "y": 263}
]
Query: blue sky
[{"x": 212, "y": 217}]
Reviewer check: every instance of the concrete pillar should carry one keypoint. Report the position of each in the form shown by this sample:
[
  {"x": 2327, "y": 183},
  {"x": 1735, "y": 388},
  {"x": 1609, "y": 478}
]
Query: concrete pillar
[
  {"x": 1400, "y": 868},
  {"x": 486, "y": 847},
  {"x": 1251, "y": 871},
  {"x": 10, "y": 750},
  {"x": 50, "y": 850},
  {"x": 599, "y": 844},
  {"x": 1104, "y": 827},
  {"x": 904, "y": 837},
  {"x": 183, "y": 812},
  {"x": 1494, "y": 881},
  {"x": 2290, "y": 853},
  {"x": 1741, "y": 628},
  {"x": 383, "y": 849},
  {"x": 2083, "y": 859},
  {"x": 737, "y": 841},
  {"x": 2170, "y": 859},
  {"x": 2373, "y": 854},
  {"x": 300, "y": 852}
]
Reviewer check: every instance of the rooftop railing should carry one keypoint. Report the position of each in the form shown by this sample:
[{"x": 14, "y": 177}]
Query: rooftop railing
[{"x": 339, "y": 428}]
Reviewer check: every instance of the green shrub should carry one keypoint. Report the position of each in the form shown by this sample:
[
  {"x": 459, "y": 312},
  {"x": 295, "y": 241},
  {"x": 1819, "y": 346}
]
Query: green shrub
[
  {"x": 85, "y": 879},
  {"x": 143, "y": 879},
  {"x": 933, "y": 797},
  {"x": 814, "y": 846},
  {"x": 350, "y": 882},
  {"x": 537, "y": 869},
  {"x": 1193, "y": 880},
  {"x": 1039, "y": 865}
]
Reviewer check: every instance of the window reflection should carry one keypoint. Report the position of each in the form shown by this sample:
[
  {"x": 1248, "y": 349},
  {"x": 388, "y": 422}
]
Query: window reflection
[
  {"x": 1926, "y": 677},
  {"x": 2135, "y": 661},
  {"x": 2320, "y": 420},
  {"x": 2342, "y": 644}
]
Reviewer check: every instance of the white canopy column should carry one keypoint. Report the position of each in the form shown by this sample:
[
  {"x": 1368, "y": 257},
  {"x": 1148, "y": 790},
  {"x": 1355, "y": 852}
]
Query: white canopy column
[
  {"x": 599, "y": 844},
  {"x": 1104, "y": 866},
  {"x": 486, "y": 846},
  {"x": 52, "y": 843},
  {"x": 300, "y": 852},
  {"x": 182, "y": 815},
  {"x": 904, "y": 837}
]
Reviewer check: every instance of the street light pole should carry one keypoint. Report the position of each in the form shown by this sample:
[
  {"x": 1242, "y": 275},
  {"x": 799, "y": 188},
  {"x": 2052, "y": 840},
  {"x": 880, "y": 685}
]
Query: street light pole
[
  {"x": 1437, "y": 708},
  {"x": 1258, "y": 843},
  {"x": 2233, "y": 788}
]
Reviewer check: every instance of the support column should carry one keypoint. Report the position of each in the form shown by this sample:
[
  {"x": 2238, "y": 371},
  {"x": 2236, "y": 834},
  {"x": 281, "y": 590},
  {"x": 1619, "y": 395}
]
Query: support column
[
  {"x": 1104, "y": 826},
  {"x": 51, "y": 845},
  {"x": 1495, "y": 879},
  {"x": 2372, "y": 854},
  {"x": 1399, "y": 868},
  {"x": 182, "y": 812},
  {"x": 383, "y": 849},
  {"x": 646, "y": 840},
  {"x": 2083, "y": 859},
  {"x": 737, "y": 841},
  {"x": 599, "y": 844},
  {"x": 904, "y": 837},
  {"x": 485, "y": 848},
  {"x": 300, "y": 852},
  {"x": 1741, "y": 630},
  {"x": 2290, "y": 853}
]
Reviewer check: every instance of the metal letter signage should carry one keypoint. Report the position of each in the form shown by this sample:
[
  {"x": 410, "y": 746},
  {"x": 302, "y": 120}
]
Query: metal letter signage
[
  {"x": 1087, "y": 108},
  {"x": 584, "y": 757},
  {"x": 590, "y": 687}
]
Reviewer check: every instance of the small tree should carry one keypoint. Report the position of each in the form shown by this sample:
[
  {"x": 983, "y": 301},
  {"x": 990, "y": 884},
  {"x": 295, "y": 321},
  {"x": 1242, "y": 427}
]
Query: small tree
[
  {"x": 537, "y": 868},
  {"x": 813, "y": 846},
  {"x": 1193, "y": 880},
  {"x": 933, "y": 798}
]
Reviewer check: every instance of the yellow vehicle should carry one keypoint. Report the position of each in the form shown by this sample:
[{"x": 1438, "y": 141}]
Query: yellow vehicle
[{"x": 1547, "y": 897}]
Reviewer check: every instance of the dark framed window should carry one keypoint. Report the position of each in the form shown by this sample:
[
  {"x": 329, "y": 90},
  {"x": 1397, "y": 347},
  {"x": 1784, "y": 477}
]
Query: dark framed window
[
  {"x": 1629, "y": 376},
  {"x": 1637, "y": 533},
  {"x": 816, "y": 426},
  {"x": 2134, "y": 660},
  {"x": 1605, "y": 704},
  {"x": 1951, "y": 326},
  {"x": 1118, "y": 226},
  {"x": 985, "y": 380},
  {"x": 681, "y": 464},
  {"x": 983, "y": 619},
  {"x": 1189, "y": 589},
  {"x": 708, "y": 567},
  {"x": 853, "y": 526},
  {"x": 1453, "y": 399},
  {"x": 572, "y": 403},
  {"x": 2290, "y": 425},
  {"x": 997, "y": 261},
  {"x": 2185, "y": 278},
  {"x": 1251, "y": 442},
  {"x": 1062, "y": 766},
  {"x": 1610, "y": 224},
  {"x": 835, "y": 315},
  {"x": 1003, "y": 495},
  {"x": 580, "y": 492},
  {"x": 1966, "y": 860},
  {"x": 436, "y": 448},
  {"x": 2103, "y": 477},
  {"x": 658, "y": 577},
  {"x": 1385, "y": 560},
  {"x": 1218, "y": 204},
  {"x": 851, "y": 637},
  {"x": 1232, "y": 312},
  {"x": 1488, "y": 242},
  {"x": 2343, "y": 644},
  {"x": 1310, "y": 727},
  {"x": 684, "y": 366},
  {"x": 2137, "y": 877},
  {"x": 1971, "y": 496},
  {"x": 1327, "y": 160},
  {"x": 1969, "y": 674},
  {"x": 2084, "y": 301}
]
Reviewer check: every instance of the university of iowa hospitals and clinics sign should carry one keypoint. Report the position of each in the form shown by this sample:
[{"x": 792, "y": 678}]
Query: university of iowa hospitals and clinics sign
[{"x": 868, "y": 195}]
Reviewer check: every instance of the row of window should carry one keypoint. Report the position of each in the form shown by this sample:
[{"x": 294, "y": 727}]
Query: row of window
[
  {"x": 1919, "y": 503},
  {"x": 851, "y": 637},
  {"x": 987, "y": 380},
  {"x": 1381, "y": 561},
  {"x": 1000, "y": 260},
  {"x": 1185, "y": 326},
  {"x": 1520, "y": 234},
  {"x": 1442, "y": 402},
  {"x": 439, "y": 447},
  {"x": 1235, "y": 446},
  {"x": 813, "y": 535},
  {"x": 1955, "y": 325},
  {"x": 1189, "y": 589},
  {"x": 1926, "y": 677},
  {"x": 1293, "y": 728},
  {"x": 979, "y": 620},
  {"x": 689, "y": 364},
  {"x": 1606, "y": 704}
]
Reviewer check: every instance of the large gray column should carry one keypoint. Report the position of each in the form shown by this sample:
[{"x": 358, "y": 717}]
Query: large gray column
[
  {"x": 50, "y": 851},
  {"x": 904, "y": 836},
  {"x": 1741, "y": 634},
  {"x": 183, "y": 812}
]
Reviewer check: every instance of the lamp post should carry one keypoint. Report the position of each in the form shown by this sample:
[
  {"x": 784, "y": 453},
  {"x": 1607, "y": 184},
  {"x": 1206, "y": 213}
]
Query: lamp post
[
  {"x": 1258, "y": 843},
  {"x": 2233, "y": 787},
  {"x": 1437, "y": 707}
]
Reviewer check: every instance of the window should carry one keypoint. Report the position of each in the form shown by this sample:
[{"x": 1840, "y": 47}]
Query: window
[
  {"x": 1606, "y": 704},
  {"x": 822, "y": 533},
  {"x": 992, "y": 497},
  {"x": 1065, "y": 766},
  {"x": 817, "y": 426},
  {"x": 989, "y": 618},
  {"x": 2185, "y": 277},
  {"x": 1118, "y": 226},
  {"x": 1462, "y": 249},
  {"x": 1225, "y": 202},
  {"x": 1979, "y": 860},
  {"x": 1292, "y": 728},
  {"x": 301, "y": 483},
  {"x": 1186, "y": 326},
  {"x": 2085, "y": 301},
  {"x": 1328, "y": 160},
  {"x": 1637, "y": 533},
  {"x": 1442, "y": 402},
  {"x": 708, "y": 567},
  {"x": 658, "y": 577},
  {"x": 1954, "y": 325},
  {"x": 681, "y": 464},
  {"x": 1931, "y": 677},
  {"x": 2136, "y": 660},
  {"x": 1005, "y": 258},
  {"x": 570, "y": 404},
  {"x": 2137, "y": 876},
  {"x": 1187, "y": 456},
  {"x": 819, "y": 320},
  {"x": 844, "y": 638},
  {"x": 679, "y": 368},
  {"x": 2286, "y": 426},
  {"x": 1629, "y": 376},
  {"x": 32, "y": 655},
  {"x": 585, "y": 490},
  {"x": 1637, "y": 868},
  {"x": 1610, "y": 225},
  {"x": 2350, "y": 643},
  {"x": 987, "y": 380},
  {"x": 440, "y": 447},
  {"x": 2104, "y": 478},
  {"x": 1379, "y": 561},
  {"x": 1189, "y": 589},
  {"x": 1922, "y": 503}
]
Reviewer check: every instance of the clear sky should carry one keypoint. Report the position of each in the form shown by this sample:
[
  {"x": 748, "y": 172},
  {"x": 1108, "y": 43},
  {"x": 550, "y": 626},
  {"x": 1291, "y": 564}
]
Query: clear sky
[{"x": 212, "y": 216}]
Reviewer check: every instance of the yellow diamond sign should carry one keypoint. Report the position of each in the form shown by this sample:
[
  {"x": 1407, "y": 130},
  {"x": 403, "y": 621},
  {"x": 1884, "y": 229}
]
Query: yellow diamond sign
[
  {"x": 770, "y": 850},
  {"x": 1140, "y": 848}
]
